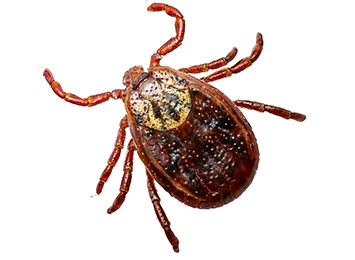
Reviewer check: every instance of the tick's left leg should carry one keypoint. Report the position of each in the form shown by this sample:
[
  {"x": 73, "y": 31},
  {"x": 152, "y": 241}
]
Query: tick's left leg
[
  {"x": 126, "y": 179},
  {"x": 74, "y": 99},
  {"x": 241, "y": 65},
  {"x": 115, "y": 155},
  {"x": 163, "y": 219},
  {"x": 277, "y": 111}
]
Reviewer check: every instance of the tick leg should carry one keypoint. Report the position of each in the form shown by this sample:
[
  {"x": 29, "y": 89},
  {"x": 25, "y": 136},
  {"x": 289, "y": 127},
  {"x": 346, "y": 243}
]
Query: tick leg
[
  {"x": 211, "y": 65},
  {"x": 277, "y": 111},
  {"x": 240, "y": 65},
  {"x": 163, "y": 219},
  {"x": 71, "y": 98},
  {"x": 126, "y": 179},
  {"x": 115, "y": 155},
  {"x": 174, "y": 42}
]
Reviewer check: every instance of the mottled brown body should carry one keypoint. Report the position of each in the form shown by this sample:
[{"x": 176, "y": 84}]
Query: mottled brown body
[
  {"x": 207, "y": 161},
  {"x": 192, "y": 139}
]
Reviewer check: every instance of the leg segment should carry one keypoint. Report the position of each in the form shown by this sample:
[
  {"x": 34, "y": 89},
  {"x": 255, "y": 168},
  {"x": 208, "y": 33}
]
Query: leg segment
[
  {"x": 126, "y": 179},
  {"x": 277, "y": 111},
  {"x": 241, "y": 65},
  {"x": 71, "y": 98},
  {"x": 115, "y": 155},
  {"x": 163, "y": 219},
  {"x": 174, "y": 42},
  {"x": 211, "y": 65}
]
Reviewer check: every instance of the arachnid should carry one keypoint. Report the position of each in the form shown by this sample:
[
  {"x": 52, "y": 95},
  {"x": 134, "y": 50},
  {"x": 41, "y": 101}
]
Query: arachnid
[{"x": 192, "y": 139}]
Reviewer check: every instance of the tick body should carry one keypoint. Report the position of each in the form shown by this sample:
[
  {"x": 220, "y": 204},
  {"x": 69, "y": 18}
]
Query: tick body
[
  {"x": 193, "y": 140},
  {"x": 207, "y": 160}
]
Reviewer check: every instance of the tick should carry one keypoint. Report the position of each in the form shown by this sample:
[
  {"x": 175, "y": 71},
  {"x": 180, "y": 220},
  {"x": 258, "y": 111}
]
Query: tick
[{"x": 193, "y": 140}]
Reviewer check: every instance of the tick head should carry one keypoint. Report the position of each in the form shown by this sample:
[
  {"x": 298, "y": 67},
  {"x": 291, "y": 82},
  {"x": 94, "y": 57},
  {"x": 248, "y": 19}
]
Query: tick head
[
  {"x": 132, "y": 75},
  {"x": 160, "y": 100}
]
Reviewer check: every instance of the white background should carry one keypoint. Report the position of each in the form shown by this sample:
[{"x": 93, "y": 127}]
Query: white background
[{"x": 301, "y": 203}]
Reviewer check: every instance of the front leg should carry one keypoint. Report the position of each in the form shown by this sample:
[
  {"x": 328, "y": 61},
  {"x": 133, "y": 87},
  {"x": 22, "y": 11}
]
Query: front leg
[
  {"x": 74, "y": 99},
  {"x": 173, "y": 42}
]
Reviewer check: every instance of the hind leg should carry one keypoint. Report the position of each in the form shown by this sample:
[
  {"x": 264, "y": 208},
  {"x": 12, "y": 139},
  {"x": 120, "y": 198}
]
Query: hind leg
[
  {"x": 115, "y": 155},
  {"x": 126, "y": 179},
  {"x": 163, "y": 219}
]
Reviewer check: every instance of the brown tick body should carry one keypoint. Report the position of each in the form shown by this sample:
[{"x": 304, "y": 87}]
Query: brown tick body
[{"x": 193, "y": 140}]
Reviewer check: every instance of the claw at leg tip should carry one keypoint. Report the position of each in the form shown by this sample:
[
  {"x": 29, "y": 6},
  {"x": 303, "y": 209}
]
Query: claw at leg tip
[
  {"x": 48, "y": 76},
  {"x": 299, "y": 117},
  {"x": 111, "y": 209}
]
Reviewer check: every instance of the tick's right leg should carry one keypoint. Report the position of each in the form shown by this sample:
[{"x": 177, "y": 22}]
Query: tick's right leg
[
  {"x": 277, "y": 111},
  {"x": 211, "y": 65},
  {"x": 175, "y": 41},
  {"x": 71, "y": 98},
  {"x": 240, "y": 65}
]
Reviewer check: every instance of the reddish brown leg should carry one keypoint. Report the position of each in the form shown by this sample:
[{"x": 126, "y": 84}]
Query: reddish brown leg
[
  {"x": 241, "y": 65},
  {"x": 174, "y": 42},
  {"x": 211, "y": 65},
  {"x": 126, "y": 179},
  {"x": 115, "y": 155},
  {"x": 163, "y": 219},
  {"x": 277, "y": 111},
  {"x": 71, "y": 98}
]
